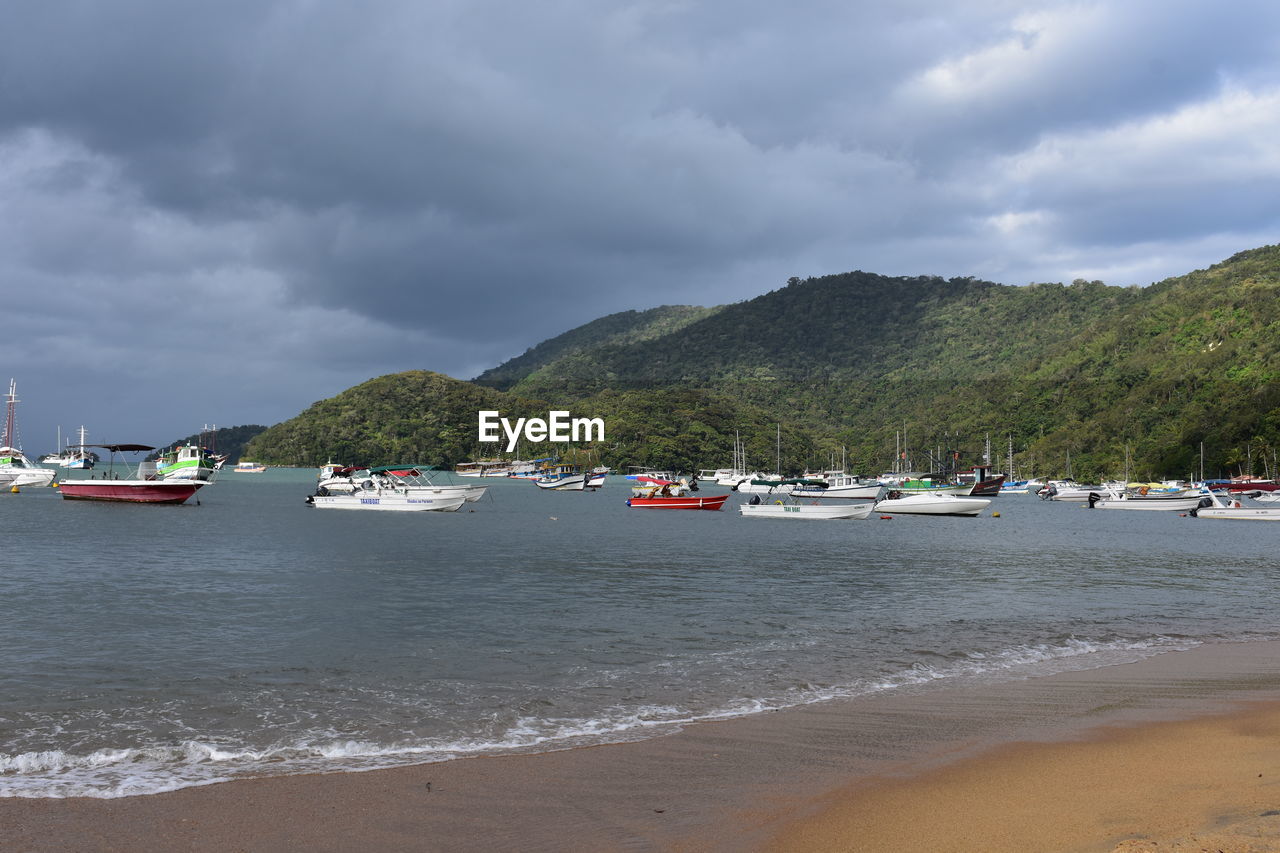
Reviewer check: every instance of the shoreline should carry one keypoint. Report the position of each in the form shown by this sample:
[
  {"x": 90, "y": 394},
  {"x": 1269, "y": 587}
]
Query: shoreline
[{"x": 799, "y": 779}]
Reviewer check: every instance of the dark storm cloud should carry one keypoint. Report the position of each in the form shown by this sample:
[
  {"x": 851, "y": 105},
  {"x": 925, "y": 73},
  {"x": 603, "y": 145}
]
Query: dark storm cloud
[{"x": 346, "y": 190}]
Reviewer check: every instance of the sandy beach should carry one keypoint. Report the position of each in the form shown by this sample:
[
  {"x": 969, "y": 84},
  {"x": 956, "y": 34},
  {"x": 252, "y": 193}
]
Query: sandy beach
[{"x": 1178, "y": 752}]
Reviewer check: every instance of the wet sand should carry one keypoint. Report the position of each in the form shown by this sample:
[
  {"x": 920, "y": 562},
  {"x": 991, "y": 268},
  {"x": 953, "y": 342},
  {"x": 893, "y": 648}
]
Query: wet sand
[{"x": 1179, "y": 752}]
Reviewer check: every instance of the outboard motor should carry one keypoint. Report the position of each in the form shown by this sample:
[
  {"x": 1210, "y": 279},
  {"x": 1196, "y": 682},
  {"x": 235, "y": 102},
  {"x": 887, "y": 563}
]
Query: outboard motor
[
  {"x": 1204, "y": 502},
  {"x": 1048, "y": 492},
  {"x": 755, "y": 500},
  {"x": 1094, "y": 497}
]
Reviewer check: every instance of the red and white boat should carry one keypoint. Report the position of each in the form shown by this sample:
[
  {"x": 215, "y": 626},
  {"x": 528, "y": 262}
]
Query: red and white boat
[
  {"x": 144, "y": 485},
  {"x": 678, "y": 502}
]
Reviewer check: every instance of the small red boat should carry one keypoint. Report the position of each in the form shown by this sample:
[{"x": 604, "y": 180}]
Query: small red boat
[{"x": 682, "y": 502}]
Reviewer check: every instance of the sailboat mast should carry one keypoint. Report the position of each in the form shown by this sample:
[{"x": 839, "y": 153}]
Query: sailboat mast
[{"x": 10, "y": 440}]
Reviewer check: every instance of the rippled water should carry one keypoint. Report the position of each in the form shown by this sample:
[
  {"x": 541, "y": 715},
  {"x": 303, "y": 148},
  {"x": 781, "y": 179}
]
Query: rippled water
[{"x": 148, "y": 648}]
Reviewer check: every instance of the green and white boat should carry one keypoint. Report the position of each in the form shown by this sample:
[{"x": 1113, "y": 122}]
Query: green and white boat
[{"x": 188, "y": 462}]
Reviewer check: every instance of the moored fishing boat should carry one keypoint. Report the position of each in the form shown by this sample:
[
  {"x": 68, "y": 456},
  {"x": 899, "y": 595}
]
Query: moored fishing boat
[
  {"x": 712, "y": 502},
  {"x": 930, "y": 503},
  {"x": 70, "y": 457},
  {"x": 792, "y": 509},
  {"x": 188, "y": 462},
  {"x": 484, "y": 468},
  {"x": 565, "y": 478},
  {"x": 1143, "y": 498},
  {"x": 981, "y": 481},
  {"x": 142, "y": 485}
]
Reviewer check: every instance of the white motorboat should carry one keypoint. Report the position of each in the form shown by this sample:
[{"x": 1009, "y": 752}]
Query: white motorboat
[
  {"x": 416, "y": 479},
  {"x": 1212, "y": 506},
  {"x": 837, "y": 484},
  {"x": 1177, "y": 500},
  {"x": 779, "y": 509},
  {"x": 17, "y": 470},
  {"x": 394, "y": 498},
  {"x": 930, "y": 503},
  {"x": 1068, "y": 490}
]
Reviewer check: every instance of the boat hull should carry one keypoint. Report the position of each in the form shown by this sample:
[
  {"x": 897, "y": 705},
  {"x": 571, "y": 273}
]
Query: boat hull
[
  {"x": 1247, "y": 513},
  {"x": 575, "y": 483},
  {"x": 131, "y": 491},
  {"x": 815, "y": 512},
  {"x": 10, "y": 477},
  {"x": 713, "y": 502},
  {"x": 989, "y": 488},
  {"x": 932, "y": 503},
  {"x": 367, "y": 499},
  {"x": 1179, "y": 503}
]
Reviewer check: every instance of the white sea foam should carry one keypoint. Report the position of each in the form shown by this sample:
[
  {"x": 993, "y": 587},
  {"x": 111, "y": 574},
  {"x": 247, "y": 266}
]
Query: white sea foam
[{"x": 108, "y": 773}]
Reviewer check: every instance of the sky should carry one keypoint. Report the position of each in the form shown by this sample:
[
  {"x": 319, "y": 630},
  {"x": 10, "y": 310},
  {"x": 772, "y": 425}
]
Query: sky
[{"x": 221, "y": 213}]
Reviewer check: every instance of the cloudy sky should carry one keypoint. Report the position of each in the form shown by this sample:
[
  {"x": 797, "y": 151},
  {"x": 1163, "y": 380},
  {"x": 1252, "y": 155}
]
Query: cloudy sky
[{"x": 219, "y": 213}]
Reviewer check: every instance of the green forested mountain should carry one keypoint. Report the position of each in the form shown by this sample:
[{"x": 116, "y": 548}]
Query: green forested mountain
[
  {"x": 1095, "y": 373},
  {"x": 417, "y": 416},
  {"x": 625, "y": 327}
]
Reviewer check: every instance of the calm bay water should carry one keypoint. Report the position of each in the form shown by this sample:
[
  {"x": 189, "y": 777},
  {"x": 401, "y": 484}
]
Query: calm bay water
[{"x": 149, "y": 648}]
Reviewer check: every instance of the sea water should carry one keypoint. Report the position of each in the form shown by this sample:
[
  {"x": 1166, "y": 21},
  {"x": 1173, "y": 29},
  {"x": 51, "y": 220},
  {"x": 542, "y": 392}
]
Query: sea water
[{"x": 149, "y": 648}]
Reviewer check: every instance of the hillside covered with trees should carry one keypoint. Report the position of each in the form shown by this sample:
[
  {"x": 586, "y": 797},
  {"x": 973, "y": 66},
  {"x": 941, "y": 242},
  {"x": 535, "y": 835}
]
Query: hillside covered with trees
[{"x": 1095, "y": 373}]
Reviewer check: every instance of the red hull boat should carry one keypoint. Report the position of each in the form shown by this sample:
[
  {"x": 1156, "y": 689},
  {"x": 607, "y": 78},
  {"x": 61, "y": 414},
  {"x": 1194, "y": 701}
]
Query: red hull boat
[
  {"x": 685, "y": 502},
  {"x": 133, "y": 491},
  {"x": 145, "y": 486}
]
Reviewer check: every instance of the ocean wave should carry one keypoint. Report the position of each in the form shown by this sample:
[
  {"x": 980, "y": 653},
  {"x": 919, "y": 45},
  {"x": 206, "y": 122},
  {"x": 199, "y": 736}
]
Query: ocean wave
[{"x": 121, "y": 772}]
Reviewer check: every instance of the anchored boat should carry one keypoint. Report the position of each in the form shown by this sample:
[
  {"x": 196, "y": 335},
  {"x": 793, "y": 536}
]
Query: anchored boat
[
  {"x": 828, "y": 511},
  {"x": 931, "y": 503},
  {"x": 141, "y": 485},
  {"x": 689, "y": 501}
]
